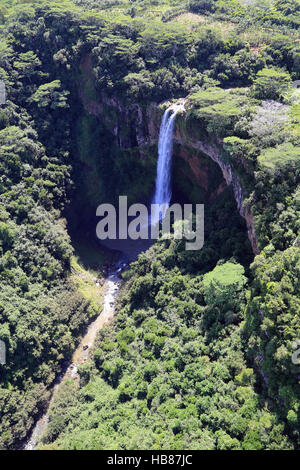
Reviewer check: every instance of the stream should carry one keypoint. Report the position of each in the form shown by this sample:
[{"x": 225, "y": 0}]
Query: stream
[{"x": 110, "y": 289}]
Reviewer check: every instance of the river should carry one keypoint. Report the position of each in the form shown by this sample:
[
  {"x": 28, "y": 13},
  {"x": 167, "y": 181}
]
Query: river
[{"x": 81, "y": 353}]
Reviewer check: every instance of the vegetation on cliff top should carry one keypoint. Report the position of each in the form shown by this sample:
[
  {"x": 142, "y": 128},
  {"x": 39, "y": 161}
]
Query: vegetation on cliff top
[{"x": 192, "y": 361}]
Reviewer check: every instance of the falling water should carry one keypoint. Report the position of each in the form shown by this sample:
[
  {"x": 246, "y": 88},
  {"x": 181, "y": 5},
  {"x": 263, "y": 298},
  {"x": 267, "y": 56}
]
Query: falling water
[{"x": 163, "y": 191}]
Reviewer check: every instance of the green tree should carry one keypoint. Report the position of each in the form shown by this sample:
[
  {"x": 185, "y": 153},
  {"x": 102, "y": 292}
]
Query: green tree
[{"x": 270, "y": 84}]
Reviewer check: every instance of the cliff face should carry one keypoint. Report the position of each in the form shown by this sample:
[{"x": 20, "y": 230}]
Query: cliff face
[
  {"x": 214, "y": 150},
  {"x": 138, "y": 126}
]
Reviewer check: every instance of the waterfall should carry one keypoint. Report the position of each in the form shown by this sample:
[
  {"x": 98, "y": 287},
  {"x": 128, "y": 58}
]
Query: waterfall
[{"x": 163, "y": 191}]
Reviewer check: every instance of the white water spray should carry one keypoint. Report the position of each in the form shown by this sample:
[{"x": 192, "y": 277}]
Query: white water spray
[{"x": 163, "y": 190}]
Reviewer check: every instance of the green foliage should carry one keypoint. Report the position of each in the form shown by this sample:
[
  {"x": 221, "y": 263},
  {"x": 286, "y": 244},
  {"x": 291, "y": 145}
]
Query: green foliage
[
  {"x": 290, "y": 10},
  {"x": 273, "y": 324},
  {"x": 218, "y": 108},
  {"x": 183, "y": 383},
  {"x": 202, "y": 6},
  {"x": 283, "y": 155},
  {"x": 270, "y": 84},
  {"x": 221, "y": 283},
  {"x": 49, "y": 95}
]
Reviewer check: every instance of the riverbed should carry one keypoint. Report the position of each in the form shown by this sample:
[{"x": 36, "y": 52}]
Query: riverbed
[{"x": 81, "y": 354}]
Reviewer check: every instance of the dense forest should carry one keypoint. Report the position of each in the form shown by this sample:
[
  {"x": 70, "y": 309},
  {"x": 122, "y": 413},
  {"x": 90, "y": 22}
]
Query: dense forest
[{"x": 199, "y": 355}]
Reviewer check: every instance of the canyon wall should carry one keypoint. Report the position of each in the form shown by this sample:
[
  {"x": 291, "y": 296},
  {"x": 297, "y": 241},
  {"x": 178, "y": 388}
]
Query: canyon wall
[{"x": 214, "y": 149}]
